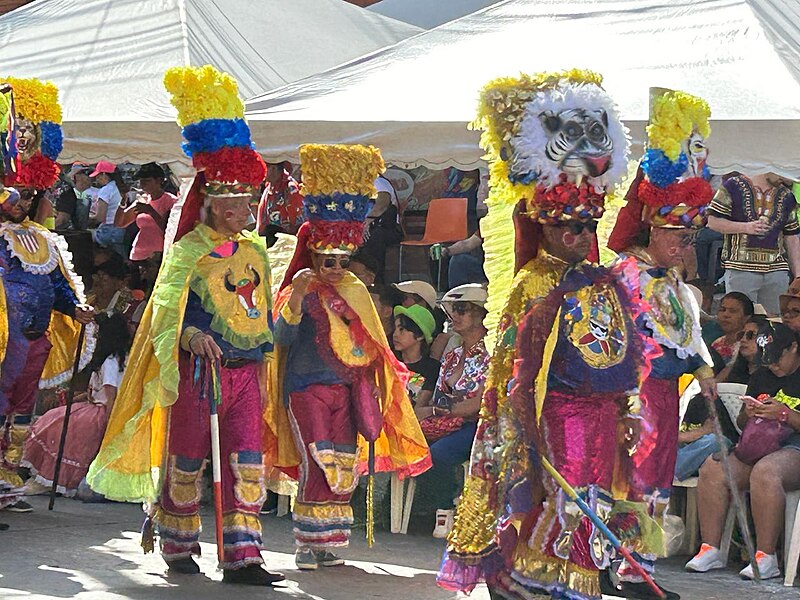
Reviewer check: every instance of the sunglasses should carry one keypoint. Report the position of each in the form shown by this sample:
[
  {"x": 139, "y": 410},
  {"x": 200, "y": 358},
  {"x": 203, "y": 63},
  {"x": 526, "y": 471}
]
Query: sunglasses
[
  {"x": 746, "y": 335},
  {"x": 331, "y": 262},
  {"x": 578, "y": 227},
  {"x": 461, "y": 308}
]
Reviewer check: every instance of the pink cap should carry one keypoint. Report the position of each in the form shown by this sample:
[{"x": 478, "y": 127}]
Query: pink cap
[{"x": 103, "y": 167}]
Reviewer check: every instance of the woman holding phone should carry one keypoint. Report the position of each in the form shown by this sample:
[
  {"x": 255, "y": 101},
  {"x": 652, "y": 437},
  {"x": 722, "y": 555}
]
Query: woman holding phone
[{"x": 773, "y": 397}]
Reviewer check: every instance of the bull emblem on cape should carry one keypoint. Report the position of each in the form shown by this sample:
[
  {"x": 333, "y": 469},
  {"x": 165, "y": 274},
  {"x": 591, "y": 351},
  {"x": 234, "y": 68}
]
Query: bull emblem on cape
[{"x": 245, "y": 290}]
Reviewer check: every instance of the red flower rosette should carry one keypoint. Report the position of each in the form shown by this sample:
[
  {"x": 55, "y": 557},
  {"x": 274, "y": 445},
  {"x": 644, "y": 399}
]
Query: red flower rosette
[
  {"x": 232, "y": 164},
  {"x": 336, "y": 234},
  {"x": 694, "y": 192},
  {"x": 565, "y": 201},
  {"x": 38, "y": 172}
]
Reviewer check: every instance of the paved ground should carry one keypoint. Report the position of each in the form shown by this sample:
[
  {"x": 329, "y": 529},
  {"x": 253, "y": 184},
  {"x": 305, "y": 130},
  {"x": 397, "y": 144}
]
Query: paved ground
[{"x": 92, "y": 552}]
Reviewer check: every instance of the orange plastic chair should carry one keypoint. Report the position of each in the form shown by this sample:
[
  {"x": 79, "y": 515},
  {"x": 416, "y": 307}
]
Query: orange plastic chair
[{"x": 445, "y": 222}]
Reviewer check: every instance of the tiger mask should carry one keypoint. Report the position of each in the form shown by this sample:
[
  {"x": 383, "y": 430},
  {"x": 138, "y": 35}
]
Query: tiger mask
[
  {"x": 572, "y": 130},
  {"x": 579, "y": 142}
]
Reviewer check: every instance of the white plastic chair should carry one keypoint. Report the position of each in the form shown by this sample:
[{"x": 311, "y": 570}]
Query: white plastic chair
[
  {"x": 731, "y": 396},
  {"x": 791, "y": 537},
  {"x": 401, "y": 510}
]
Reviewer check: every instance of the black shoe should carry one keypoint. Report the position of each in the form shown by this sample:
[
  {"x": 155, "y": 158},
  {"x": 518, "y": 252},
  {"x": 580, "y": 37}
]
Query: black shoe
[
  {"x": 251, "y": 575},
  {"x": 3, "y": 526},
  {"x": 607, "y": 587},
  {"x": 642, "y": 591},
  {"x": 184, "y": 566},
  {"x": 20, "y": 507}
]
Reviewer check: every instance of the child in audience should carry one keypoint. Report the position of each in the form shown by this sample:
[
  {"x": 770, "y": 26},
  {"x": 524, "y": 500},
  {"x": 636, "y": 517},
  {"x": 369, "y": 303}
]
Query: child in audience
[
  {"x": 88, "y": 419},
  {"x": 413, "y": 333}
]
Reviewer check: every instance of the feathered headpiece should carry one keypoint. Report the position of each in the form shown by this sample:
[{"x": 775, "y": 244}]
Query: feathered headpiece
[
  {"x": 30, "y": 128},
  {"x": 671, "y": 187},
  {"x": 555, "y": 143},
  {"x": 675, "y": 188},
  {"x": 338, "y": 185},
  {"x": 217, "y": 138}
]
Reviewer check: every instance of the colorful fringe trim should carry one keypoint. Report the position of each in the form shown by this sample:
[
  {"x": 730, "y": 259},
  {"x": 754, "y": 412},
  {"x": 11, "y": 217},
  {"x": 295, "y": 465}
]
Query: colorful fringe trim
[{"x": 322, "y": 525}]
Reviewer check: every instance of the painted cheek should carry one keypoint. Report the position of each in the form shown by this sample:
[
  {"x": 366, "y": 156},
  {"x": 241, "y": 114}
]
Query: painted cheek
[{"x": 569, "y": 239}]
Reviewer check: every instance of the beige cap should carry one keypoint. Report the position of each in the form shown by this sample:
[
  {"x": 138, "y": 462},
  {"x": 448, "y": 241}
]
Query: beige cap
[
  {"x": 469, "y": 292},
  {"x": 421, "y": 288}
]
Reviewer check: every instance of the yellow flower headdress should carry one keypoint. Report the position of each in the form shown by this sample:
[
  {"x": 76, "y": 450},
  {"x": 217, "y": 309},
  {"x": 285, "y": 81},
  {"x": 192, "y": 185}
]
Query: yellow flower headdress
[
  {"x": 338, "y": 182},
  {"x": 674, "y": 115}
]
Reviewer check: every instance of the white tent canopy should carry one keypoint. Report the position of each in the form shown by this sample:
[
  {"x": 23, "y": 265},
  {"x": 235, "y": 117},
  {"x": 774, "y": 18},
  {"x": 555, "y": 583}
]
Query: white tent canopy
[
  {"x": 108, "y": 58},
  {"x": 428, "y": 14},
  {"x": 414, "y": 100}
]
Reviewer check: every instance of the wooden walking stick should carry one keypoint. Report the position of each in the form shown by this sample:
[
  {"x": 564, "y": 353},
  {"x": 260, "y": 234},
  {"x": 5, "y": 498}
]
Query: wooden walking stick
[
  {"x": 736, "y": 499},
  {"x": 70, "y": 398},
  {"x": 214, "y": 400}
]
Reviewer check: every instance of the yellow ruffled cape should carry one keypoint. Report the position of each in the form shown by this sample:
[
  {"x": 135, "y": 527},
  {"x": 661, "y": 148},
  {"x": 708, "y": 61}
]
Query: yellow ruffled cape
[
  {"x": 128, "y": 466},
  {"x": 401, "y": 446}
]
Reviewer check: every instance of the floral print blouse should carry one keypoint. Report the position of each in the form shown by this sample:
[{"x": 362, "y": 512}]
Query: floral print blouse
[{"x": 476, "y": 366}]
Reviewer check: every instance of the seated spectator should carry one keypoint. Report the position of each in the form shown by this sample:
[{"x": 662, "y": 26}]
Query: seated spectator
[
  {"x": 790, "y": 307},
  {"x": 424, "y": 294},
  {"x": 72, "y": 205},
  {"x": 110, "y": 293},
  {"x": 756, "y": 215},
  {"x": 385, "y": 298},
  {"x": 413, "y": 333},
  {"x": 769, "y": 477},
  {"x": 145, "y": 277},
  {"x": 88, "y": 418},
  {"x": 151, "y": 213},
  {"x": 734, "y": 310},
  {"x": 364, "y": 266},
  {"x": 466, "y": 261},
  {"x": 697, "y": 439},
  {"x": 383, "y": 225},
  {"x": 450, "y": 423},
  {"x": 746, "y": 361}
]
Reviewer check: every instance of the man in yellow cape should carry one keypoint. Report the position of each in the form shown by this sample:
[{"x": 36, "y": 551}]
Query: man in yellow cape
[{"x": 200, "y": 348}]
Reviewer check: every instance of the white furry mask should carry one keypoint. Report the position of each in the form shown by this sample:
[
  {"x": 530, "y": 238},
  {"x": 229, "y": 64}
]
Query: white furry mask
[{"x": 572, "y": 129}]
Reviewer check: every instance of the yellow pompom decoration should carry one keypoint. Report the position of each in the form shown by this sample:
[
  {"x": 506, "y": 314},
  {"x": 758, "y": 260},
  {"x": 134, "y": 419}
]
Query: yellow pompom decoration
[
  {"x": 500, "y": 110},
  {"x": 674, "y": 116},
  {"x": 203, "y": 93},
  {"x": 343, "y": 168},
  {"x": 34, "y": 100}
]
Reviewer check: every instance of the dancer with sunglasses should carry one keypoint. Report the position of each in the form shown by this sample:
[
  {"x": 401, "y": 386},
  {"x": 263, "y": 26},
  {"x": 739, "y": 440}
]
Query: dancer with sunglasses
[
  {"x": 666, "y": 204},
  {"x": 341, "y": 387},
  {"x": 563, "y": 379},
  {"x": 42, "y": 303}
]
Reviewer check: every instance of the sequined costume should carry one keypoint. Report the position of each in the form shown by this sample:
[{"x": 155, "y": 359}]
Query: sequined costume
[
  {"x": 38, "y": 285},
  {"x": 567, "y": 360},
  {"x": 342, "y": 387},
  {"x": 157, "y": 440},
  {"x": 670, "y": 191}
]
